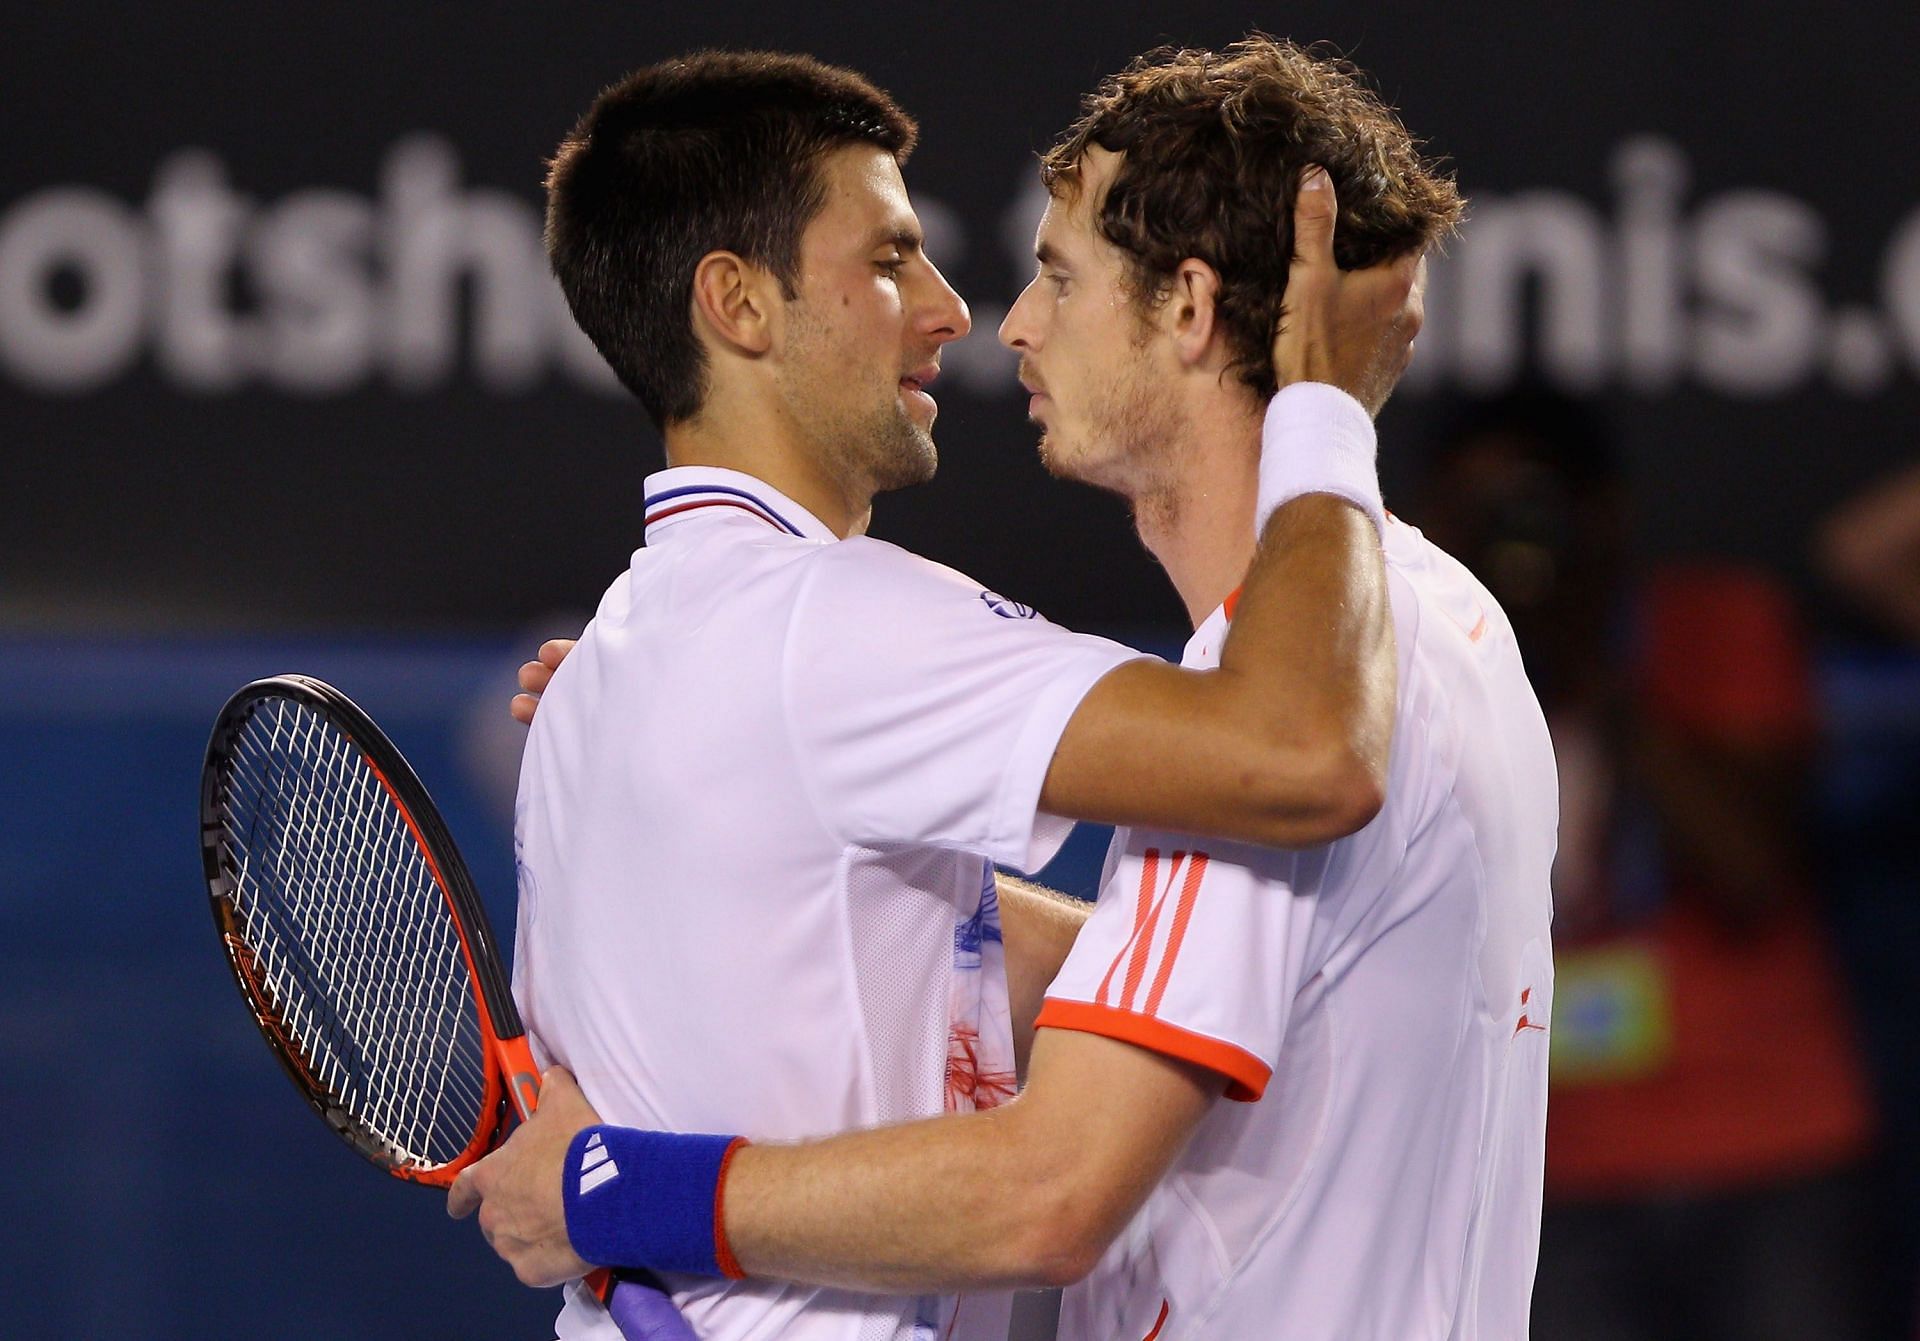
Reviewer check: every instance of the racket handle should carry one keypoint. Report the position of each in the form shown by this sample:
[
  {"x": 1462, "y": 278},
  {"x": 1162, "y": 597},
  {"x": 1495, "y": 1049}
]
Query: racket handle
[
  {"x": 641, "y": 1312},
  {"x": 641, "y": 1308}
]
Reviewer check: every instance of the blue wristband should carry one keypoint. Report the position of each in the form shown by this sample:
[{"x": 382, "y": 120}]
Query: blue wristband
[{"x": 649, "y": 1199}]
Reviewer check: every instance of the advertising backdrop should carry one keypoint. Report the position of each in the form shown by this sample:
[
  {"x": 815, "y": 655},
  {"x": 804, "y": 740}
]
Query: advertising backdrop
[{"x": 285, "y": 384}]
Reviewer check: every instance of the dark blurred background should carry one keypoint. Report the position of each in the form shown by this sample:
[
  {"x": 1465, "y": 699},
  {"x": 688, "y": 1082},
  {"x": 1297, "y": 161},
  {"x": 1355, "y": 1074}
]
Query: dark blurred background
[{"x": 284, "y": 385}]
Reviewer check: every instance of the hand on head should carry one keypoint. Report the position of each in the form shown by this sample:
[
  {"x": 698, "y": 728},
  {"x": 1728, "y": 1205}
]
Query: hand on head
[{"x": 1353, "y": 329}]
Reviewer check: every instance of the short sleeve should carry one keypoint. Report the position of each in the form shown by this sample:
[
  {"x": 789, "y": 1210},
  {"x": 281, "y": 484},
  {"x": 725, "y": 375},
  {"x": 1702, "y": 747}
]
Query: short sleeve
[
  {"x": 925, "y": 709},
  {"x": 1196, "y": 951}
]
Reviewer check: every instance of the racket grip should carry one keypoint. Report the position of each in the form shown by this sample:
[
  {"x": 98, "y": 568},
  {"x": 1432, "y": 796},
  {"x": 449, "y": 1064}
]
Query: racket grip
[{"x": 641, "y": 1312}]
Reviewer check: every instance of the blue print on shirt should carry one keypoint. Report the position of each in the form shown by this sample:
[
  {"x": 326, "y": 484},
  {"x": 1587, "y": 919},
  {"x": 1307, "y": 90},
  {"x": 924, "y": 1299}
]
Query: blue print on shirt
[{"x": 973, "y": 934}]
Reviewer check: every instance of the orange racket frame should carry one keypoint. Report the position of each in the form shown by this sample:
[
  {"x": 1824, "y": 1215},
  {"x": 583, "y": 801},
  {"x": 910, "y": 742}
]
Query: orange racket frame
[{"x": 511, "y": 1080}]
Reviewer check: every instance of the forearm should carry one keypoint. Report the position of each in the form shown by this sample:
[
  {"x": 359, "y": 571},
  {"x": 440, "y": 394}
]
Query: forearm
[
  {"x": 1040, "y": 926},
  {"x": 954, "y": 1203},
  {"x": 1310, "y": 658},
  {"x": 1024, "y": 1195}
]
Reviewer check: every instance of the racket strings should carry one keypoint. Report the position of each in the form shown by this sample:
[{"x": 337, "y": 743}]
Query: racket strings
[{"x": 350, "y": 938}]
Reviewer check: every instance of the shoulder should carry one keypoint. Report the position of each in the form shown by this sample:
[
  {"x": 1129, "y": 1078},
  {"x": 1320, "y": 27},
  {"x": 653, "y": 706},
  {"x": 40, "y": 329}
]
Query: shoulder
[
  {"x": 874, "y": 581},
  {"x": 1452, "y": 636},
  {"x": 862, "y": 560}
]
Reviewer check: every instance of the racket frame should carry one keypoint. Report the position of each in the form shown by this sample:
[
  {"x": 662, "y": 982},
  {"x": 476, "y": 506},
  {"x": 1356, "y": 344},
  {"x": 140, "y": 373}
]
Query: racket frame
[{"x": 512, "y": 1082}]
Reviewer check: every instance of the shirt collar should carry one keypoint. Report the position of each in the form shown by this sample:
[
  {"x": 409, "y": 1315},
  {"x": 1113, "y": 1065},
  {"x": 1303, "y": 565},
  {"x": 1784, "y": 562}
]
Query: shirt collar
[
  {"x": 682, "y": 493},
  {"x": 1206, "y": 639}
]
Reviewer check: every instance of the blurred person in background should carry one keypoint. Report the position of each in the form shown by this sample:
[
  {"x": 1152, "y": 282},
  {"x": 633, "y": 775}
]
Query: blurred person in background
[
  {"x": 1709, "y": 1116},
  {"x": 1868, "y": 550}
]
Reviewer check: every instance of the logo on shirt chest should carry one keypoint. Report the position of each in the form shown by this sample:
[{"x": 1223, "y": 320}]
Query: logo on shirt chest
[{"x": 1005, "y": 608}]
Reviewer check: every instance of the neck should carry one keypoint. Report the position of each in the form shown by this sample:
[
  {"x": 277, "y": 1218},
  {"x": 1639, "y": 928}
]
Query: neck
[
  {"x": 767, "y": 450},
  {"x": 1199, "y": 522}
]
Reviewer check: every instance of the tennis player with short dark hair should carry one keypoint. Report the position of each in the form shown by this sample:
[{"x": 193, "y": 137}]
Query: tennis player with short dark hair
[{"x": 782, "y": 754}]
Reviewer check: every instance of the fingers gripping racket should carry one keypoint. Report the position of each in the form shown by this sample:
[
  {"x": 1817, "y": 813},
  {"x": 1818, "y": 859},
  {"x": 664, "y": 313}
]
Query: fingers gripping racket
[{"x": 359, "y": 941}]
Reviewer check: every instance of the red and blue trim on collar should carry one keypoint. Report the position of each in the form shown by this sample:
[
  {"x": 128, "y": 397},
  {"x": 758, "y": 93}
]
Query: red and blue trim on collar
[{"x": 673, "y": 502}]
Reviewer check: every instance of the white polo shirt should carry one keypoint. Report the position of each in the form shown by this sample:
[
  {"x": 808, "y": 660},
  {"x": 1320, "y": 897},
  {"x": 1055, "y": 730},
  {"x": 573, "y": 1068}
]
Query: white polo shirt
[
  {"x": 756, "y": 814},
  {"x": 1381, "y": 1006}
]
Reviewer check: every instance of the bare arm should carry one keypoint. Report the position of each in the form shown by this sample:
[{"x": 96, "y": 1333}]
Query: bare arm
[
  {"x": 1039, "y": 926},
  {"x": 1029, "y": 1194},
  {"x": 1026, "y": 1195},
  {"x": 1286, "y": 743}
]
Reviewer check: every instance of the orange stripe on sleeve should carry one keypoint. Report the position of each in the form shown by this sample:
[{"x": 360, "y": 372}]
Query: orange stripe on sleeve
[
  {"x": 1149, "y": 868},
  {"x": 1246, "y": 1074},
  {"x": 1189, "y": 891},
  {"x": 1143, "y": 938}
]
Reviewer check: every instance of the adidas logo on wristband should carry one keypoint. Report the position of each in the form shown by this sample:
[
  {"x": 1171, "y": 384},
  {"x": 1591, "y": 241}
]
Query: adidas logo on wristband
[{"x": 596, "y": 1165}]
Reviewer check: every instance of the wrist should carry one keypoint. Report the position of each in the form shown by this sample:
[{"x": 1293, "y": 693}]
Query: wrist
[
  {"x": 649, "y": 1199},
  {"x": 1317, "y": 439}
]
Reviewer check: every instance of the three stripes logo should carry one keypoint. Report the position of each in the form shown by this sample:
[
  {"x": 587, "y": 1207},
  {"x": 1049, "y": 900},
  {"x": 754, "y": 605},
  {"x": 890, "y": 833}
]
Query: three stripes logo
[
  {"x": 1158, "y": 931},
  {"x": 596, "y": 1165}
]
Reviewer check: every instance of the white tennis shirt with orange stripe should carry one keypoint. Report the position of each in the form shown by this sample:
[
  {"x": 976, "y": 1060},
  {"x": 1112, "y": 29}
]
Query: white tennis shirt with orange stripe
[
  {"x": 1378, "y": 1007},
  {"x": 755, "y": 819}
]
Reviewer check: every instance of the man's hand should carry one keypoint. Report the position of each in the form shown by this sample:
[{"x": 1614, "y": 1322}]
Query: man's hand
[
  {"x": 1353, "y": 329},
  {"x": 535, "y": 676},
  {"x": 516, "y": 1189}
]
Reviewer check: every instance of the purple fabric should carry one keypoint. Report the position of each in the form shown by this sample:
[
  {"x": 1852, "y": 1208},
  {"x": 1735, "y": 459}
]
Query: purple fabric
[{"x": 644, "y": 1314}]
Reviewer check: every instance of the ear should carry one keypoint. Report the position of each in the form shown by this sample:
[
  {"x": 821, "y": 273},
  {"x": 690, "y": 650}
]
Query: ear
[
  {"x": 732, "y": 300},
  {"x": 1189, "y": 315}
]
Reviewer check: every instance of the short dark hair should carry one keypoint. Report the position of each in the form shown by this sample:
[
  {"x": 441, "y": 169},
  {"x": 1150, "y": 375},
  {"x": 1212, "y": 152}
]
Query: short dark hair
[
  {"x": 719, "y": 150},
  {"x": 1213, "y": 145}
]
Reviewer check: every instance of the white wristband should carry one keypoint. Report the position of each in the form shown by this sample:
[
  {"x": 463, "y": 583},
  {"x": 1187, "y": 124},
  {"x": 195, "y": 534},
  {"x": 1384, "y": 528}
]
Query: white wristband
[{"x": 1317, "y": 440}]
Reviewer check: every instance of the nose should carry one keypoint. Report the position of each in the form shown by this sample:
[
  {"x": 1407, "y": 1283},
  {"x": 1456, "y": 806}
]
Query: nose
[
  {"x": 1016, "y": 332},
  {"x": 946, "y": 316}
]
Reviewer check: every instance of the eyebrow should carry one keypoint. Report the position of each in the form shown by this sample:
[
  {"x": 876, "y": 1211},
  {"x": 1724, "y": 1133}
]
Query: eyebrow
[
  {"x": 1047, "y": 254},
  {"x": 904, "y": 238}
]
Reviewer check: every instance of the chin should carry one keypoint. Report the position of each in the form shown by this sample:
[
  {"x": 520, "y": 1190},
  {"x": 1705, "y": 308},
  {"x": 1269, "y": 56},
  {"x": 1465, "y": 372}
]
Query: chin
[
  {"x": 913, "y": 459},
  {"x": 1069, "y": 460},
  {"x": 1056, "y": 457}
]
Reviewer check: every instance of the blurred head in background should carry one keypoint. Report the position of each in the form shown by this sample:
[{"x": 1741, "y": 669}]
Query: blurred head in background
[{"x": 1525, "y": 490}]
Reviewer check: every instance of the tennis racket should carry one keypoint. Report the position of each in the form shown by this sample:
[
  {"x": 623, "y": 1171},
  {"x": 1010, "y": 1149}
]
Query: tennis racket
[{"x": 358, "y": 939}]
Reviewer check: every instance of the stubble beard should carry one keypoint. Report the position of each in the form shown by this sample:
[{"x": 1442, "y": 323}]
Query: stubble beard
[
  {"x": 1132, "y": 447},
  {"x": 892, "y": 451},
  {"x": 871, "y": 445}
]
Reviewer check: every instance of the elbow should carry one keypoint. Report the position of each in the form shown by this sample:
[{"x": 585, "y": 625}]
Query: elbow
[
  {"x": 1065, "y": 1235},
  {"x": 1063, "y": 1270},
  {"x": 1356, "y": 790},
  {"x": 1322, "y": 798},
  {"x": 1066, "y": 1253}
]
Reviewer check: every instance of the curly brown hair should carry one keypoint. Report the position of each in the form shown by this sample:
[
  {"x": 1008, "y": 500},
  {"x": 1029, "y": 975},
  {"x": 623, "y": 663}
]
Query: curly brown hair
[{"x": 1212, "y": 147}]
